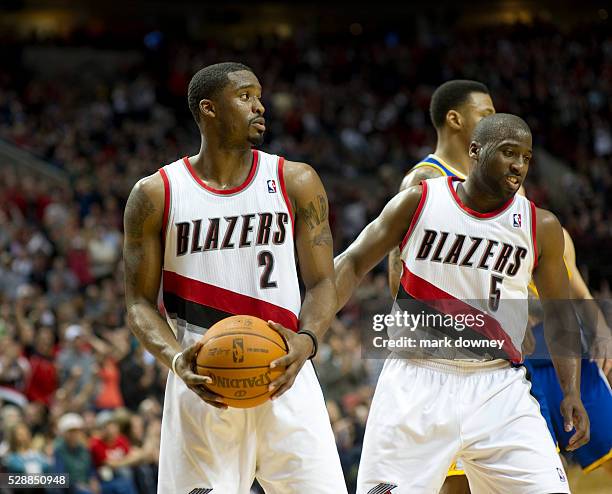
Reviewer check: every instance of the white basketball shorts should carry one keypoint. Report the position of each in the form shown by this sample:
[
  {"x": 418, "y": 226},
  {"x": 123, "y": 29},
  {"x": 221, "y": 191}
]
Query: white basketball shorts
[
  {"x": 287, "y": 444},
  {"x": 425, "y": 413}
]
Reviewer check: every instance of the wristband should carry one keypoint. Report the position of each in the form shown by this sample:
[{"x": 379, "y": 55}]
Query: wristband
[
  {"x": 174, "y": 359},
  {"x": 313, "y": 337}
]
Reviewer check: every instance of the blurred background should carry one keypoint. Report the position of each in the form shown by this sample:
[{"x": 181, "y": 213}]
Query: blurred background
[{"x": 93, "y": 97}]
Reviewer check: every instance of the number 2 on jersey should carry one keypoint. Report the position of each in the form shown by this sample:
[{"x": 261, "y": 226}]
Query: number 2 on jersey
[{"x": 266, "y": 260}]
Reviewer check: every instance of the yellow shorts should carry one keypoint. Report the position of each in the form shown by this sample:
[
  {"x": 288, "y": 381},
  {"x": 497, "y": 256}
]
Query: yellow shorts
[{"x": 455, "y": 469}]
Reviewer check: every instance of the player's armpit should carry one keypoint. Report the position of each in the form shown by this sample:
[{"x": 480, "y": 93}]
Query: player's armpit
[
  {"x": 412, "y": 178},
  {"x": 375, "y": 241}
]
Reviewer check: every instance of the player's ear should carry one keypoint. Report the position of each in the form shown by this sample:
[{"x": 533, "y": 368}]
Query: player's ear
[
  {"x": 474, "y": 150},
  {"x": 207, "y": 108},
  {"x": 454, "y": 120}
]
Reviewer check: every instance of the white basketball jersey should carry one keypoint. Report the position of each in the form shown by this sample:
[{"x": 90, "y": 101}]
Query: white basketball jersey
[
  {"x": 228, "y": 252},
  {"x": 477, "y": 263}
]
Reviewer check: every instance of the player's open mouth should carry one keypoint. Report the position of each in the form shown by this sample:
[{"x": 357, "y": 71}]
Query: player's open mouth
[{"x": 513, "y": 181}]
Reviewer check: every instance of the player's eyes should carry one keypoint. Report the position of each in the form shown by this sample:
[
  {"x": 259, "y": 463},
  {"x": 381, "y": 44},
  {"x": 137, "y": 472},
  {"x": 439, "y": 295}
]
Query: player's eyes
[
  {"x": 244, "y": 96},
  {"x": 508, "y": 153}
]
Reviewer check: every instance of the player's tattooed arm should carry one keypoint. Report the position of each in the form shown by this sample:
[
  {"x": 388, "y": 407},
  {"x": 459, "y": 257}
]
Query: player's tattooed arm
[
  {"x": 374, "y": 242},
  {"x": 314, "y": 212},
  {"x": 395, "y": 263},
  {"x": 143, "y": 218},
  {"x": 561, "y": 328},
  {"x": 142, "y": 254},
  {"x": 315, "y": 215},
  {"x": 314, "y": 247}
]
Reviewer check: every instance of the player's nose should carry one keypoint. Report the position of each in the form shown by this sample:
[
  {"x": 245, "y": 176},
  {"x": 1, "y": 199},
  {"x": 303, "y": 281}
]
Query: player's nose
[
  {"x": 518, "y": 167},
  {"x": 258, "y": 107}
]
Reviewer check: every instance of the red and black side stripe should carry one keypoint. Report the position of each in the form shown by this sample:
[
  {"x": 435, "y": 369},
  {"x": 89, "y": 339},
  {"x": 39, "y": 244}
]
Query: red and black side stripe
[
  {"x": 203, "y": 304},
  {"x": 433, "y": 300},
  {"x": 200, "y": 315}
]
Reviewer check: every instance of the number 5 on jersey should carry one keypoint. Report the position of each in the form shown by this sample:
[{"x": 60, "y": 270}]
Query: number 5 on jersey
[{"x": 495, "y": 292}]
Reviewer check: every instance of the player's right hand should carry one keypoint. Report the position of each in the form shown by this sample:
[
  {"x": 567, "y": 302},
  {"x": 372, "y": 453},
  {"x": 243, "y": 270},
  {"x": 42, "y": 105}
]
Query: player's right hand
[
  {"x": 195, "y": 382},
  {"x": 575, "y": 417}
]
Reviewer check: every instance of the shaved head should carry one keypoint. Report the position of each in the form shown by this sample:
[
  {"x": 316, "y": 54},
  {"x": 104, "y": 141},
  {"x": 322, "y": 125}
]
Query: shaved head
[
  {"x": 498, "y": 127},
  {"x": 502, "y": 148}
]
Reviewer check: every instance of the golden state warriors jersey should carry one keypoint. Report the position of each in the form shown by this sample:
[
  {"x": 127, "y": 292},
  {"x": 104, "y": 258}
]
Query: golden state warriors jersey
[{"x": 438, "y": 163}]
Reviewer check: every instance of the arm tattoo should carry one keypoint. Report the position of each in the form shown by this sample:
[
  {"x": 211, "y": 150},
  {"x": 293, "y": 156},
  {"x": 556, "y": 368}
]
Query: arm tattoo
[
  {"x": 313, "y": 215},
  {"x": 323, "y": 238},
  {"x": 138, "y": 208}
]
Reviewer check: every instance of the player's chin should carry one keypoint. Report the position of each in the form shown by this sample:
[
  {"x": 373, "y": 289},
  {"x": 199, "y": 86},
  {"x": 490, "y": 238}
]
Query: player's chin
[
  {"x": 257, "y": 138},
  {"x": 508, "y": 189}
]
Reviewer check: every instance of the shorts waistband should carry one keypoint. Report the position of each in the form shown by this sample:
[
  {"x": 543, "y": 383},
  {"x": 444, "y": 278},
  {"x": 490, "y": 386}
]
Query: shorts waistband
[{"x": 461, "y": 367}]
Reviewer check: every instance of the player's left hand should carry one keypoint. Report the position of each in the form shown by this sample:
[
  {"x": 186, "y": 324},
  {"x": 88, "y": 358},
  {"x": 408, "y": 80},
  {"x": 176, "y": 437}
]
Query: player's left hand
[
  {"x": 300, "y": 348},
  {"x": 575, "y": 417}
]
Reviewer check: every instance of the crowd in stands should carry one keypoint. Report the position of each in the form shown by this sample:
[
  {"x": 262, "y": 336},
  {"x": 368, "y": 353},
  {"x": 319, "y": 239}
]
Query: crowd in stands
[{"x": 77, "y": 392}]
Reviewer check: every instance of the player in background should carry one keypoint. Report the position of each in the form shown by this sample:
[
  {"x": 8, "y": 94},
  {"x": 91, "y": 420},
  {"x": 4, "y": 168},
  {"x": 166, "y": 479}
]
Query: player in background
[
  {"x": 496, "y": 427},
  {"x": 595, "y": 389},
  {"x": 218, "y": 232},
  {"x": 455, "y": 108}
]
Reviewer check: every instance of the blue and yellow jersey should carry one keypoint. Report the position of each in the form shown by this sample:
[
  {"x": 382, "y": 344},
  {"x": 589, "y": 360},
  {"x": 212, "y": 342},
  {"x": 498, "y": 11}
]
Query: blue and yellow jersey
[{"x": 438, "y": 163}]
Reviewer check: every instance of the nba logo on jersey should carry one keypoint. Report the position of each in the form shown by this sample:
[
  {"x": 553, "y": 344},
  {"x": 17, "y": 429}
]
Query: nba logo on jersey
[
  {"x": 516, "y": 220},
  {"x": 561, "y": 475},
  {"x": 271, "y": 186}
]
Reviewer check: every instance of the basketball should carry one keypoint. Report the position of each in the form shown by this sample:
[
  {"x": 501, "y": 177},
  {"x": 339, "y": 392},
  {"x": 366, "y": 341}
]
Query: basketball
[{"x": 236, "y": 355}]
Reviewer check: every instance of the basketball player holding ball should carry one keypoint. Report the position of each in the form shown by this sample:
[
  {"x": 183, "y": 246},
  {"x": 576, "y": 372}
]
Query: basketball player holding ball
[{"x": 218, "y": 232}]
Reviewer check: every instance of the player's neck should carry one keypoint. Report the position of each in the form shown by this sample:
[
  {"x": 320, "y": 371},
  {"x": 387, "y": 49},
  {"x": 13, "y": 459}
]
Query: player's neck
[
  {"x": 222, "y": 168},
  {"x": 477, "y": 196},
  {"x": 454, "y": 153}
]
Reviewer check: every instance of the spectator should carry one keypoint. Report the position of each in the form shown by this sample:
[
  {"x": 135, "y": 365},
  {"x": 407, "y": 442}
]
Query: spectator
[
  {"x": 75, "y": 359},
  {"x": 14, "y": 371},
  {"x": 113, "y": 455},
  {"x": 22, "y": 457},
  {"x": 72, "y": 456}
]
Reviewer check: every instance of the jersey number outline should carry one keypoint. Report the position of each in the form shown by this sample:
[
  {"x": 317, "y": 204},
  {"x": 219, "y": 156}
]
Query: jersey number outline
[
  {"x": 495, "y": 292},
  {"x": 266, "y": 260}
]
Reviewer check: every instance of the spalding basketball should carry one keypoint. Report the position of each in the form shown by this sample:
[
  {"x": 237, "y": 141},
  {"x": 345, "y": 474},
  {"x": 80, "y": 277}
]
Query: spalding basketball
[{"x": 236, "y": 355}]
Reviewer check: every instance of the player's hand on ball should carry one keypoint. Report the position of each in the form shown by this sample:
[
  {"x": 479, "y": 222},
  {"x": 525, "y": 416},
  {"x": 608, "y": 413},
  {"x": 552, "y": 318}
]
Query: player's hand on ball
[
  {"x": 195, "y": 382},
  {"x": 300, "y": 348},
  {"x": 575, "y": 416}
]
